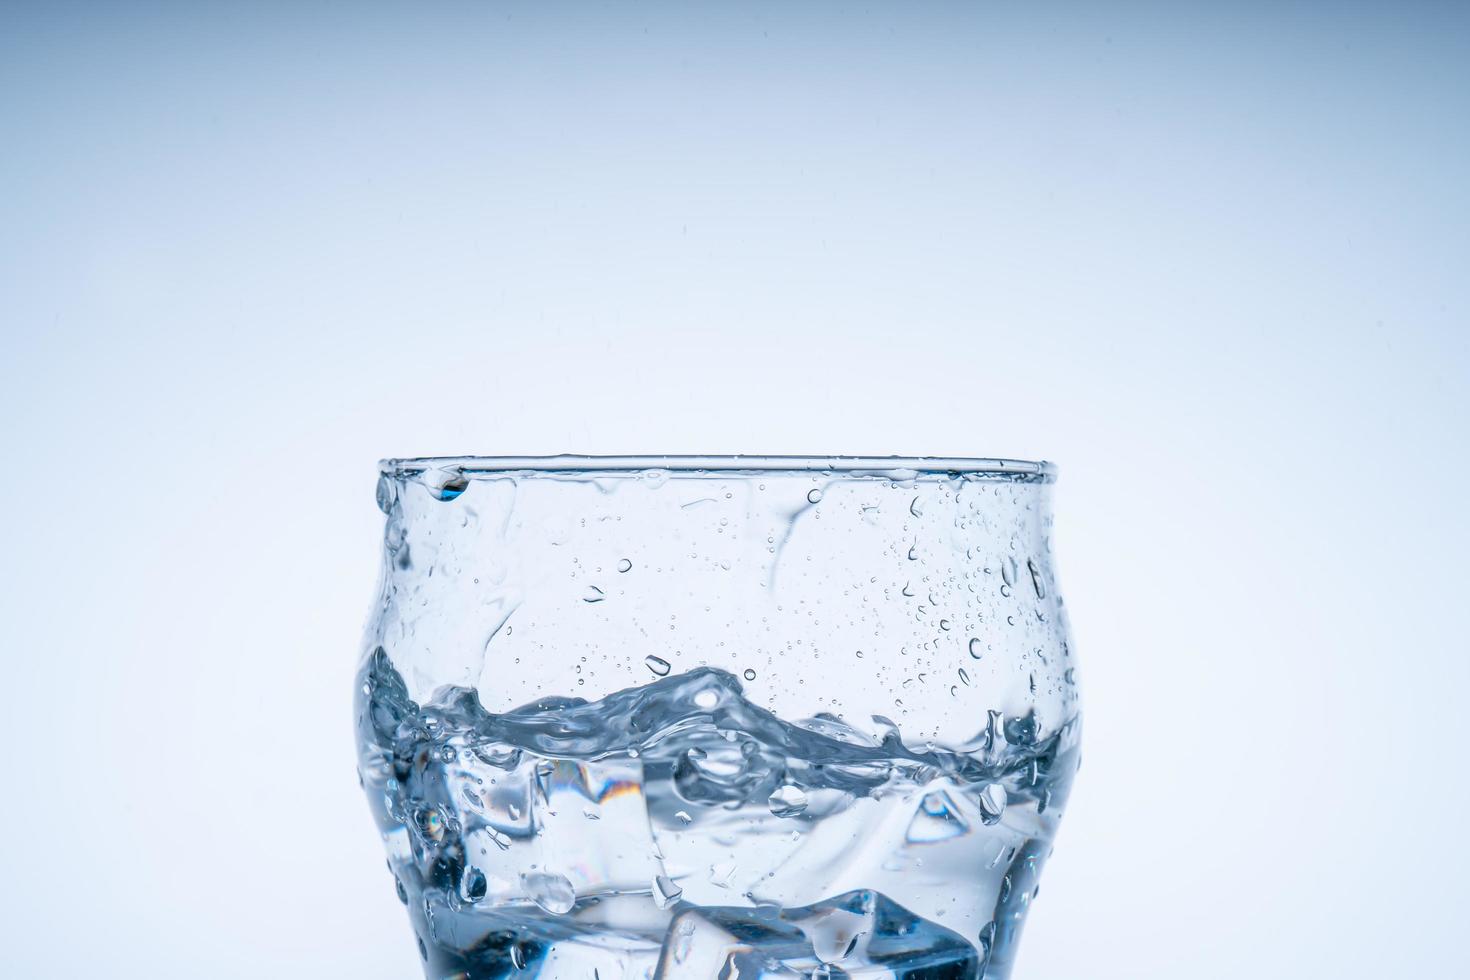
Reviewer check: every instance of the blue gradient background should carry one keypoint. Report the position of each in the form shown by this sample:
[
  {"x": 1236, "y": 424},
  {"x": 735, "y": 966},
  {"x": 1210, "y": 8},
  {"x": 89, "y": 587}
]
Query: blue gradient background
[{"x": 1212, "y": 259}]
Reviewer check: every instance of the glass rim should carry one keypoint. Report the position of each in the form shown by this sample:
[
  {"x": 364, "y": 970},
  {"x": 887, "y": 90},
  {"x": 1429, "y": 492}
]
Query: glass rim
[{"x": 894, "y": 467}]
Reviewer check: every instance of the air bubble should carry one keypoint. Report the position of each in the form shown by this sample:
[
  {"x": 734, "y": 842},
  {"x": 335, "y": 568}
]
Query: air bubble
[
  {"x": 749, "y": 674},
  {"x": 814, "y": 495}
]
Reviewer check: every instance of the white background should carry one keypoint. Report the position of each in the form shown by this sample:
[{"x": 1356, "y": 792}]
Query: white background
[{"x": 1212, "y": 263}]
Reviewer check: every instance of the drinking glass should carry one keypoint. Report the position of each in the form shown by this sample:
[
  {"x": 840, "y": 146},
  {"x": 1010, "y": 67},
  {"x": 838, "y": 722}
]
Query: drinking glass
[{"x": 623, "y": 718}]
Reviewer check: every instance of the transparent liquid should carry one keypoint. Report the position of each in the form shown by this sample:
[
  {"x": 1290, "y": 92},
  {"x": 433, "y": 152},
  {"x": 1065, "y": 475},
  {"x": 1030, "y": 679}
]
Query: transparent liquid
[{"x": 676, "y": 830}]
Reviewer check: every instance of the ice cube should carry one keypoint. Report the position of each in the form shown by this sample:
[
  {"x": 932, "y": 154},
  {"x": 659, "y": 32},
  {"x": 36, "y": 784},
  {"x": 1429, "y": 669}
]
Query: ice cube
[
  {"x": 865, "y": 934},
  {"x": 712, "y": 941},
  {"x": 616, "y": 851}
]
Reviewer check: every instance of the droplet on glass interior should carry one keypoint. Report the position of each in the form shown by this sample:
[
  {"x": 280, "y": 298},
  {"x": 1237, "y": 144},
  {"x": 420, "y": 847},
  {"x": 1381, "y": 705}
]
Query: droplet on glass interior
[
  {"x": 814, "y": 495},
  {"x": 975, "y": 646},
  {"x": 625, "y": 565},
  {"x": 594, "y": 594},
  {"x": 749, "y": 674},
  {"x": 658, "y": 665}
]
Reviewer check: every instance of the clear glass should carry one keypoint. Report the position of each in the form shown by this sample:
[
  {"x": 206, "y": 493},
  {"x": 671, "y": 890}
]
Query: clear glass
[{"x": 717, "y": 717}]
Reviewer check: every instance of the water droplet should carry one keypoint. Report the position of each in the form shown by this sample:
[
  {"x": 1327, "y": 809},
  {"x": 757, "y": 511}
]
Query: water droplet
[
  {"x": 914, "y": 551},
  {"x": 992, "y": 804},
  {"x": 975, "y": 646},
  {"x": 908, "y": 589},
  {"x": 445, "y": 483},
  {"x": 683, "y": 816},
  {"x": 944, "y": 625},
  {"x": 398, "y": 887},
  {"x": 914, "y": 508},
  {"x": 590, "y": 813},
  {"x": 423, "y": 950},
  {"x": 517, "y": 956},
  {"x": 594, "y": 594},
  {"x": 387, "y": 493},
  {"x": 665, "y": 891},
  {"x": 788, "y": 800},
  {"x": 749, "y": 674},
  {"x": 1036, "y": 582},
  {"x": 551, "y": 891},
  {"x": 625, "y": 565},
  {"x": 658, "y": 665},
  {"x": 472, "y": 885},
  {"x": 814, "y": 495},
  {"x": 964, "y": 677}
]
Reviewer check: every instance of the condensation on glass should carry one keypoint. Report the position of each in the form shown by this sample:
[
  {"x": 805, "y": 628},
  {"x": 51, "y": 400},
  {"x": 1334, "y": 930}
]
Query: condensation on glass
[{"x": 709, "y": 717}]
